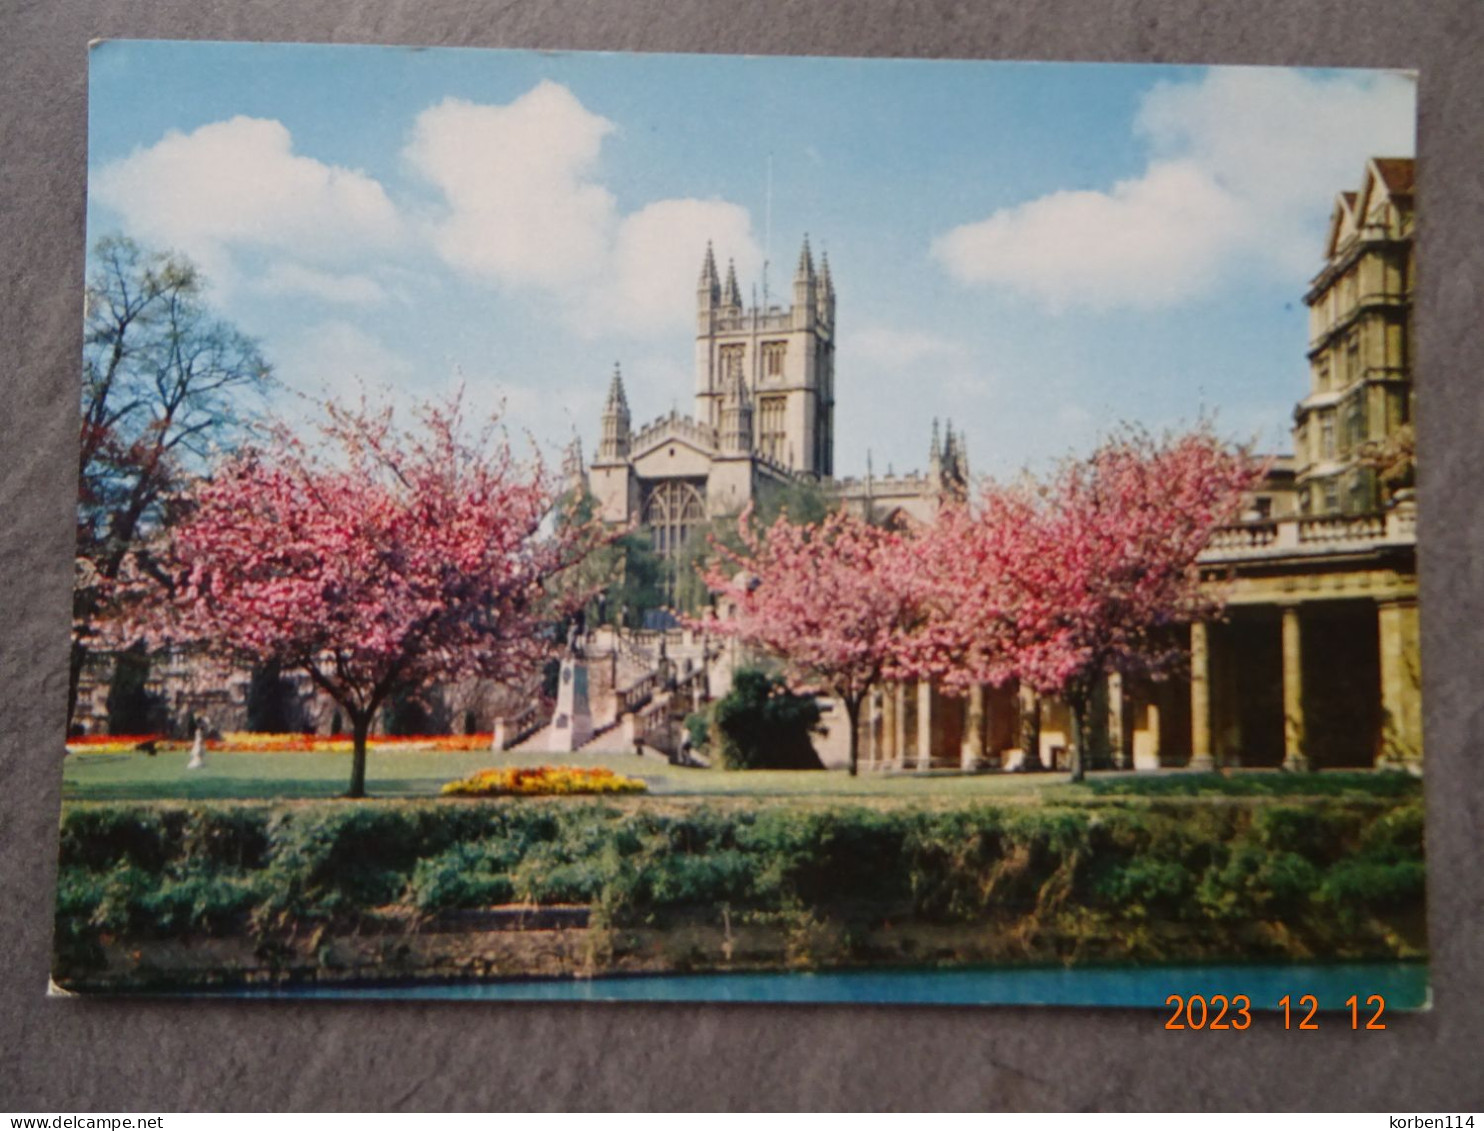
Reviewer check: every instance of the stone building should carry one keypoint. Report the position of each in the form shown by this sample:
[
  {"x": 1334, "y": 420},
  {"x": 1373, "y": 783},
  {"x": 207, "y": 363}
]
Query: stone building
[
  {"x": 1360, "y": 347},
  {"x": 1316, "y": 660},
  {"x": 764, "y": 418}
]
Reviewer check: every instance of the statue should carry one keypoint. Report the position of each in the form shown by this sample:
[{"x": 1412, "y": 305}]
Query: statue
[
  {"x": 576, "y": 634},
  {"x": 198, "y": 749}
]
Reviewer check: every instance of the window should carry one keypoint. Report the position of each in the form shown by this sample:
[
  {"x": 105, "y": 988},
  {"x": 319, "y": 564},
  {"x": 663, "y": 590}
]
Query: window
[
  {"x": 1321, "y": 375},
  {"x": 773, "y": 354},
  {"x": 772, "y": 433},
  {"x": 1331, "y": 496},
  {"x": 1352, "y": 358},
  {"x": 1327, "y": 435},
  {"x": 731, "y": 363},
  {"x": 1355, "y": 429},
  {"x": 673, "y": 512}
]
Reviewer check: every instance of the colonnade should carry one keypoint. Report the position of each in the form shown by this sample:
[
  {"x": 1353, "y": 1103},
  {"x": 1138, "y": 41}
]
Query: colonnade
[{"x": 915, "y": 727}]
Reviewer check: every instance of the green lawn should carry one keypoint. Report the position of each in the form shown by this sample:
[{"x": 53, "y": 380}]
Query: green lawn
[
  {"x": 229, "y": 775},
  {"x": 121, "y": 777}
]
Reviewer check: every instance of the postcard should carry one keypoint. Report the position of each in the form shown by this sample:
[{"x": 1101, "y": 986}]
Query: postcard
[{"x": 561, "y": 525}]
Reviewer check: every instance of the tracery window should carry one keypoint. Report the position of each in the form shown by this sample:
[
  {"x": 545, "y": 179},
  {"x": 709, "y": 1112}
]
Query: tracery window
[
  {"x": 673, "y": 512},
  {"x": 773, "y": 355},
  {"x": 772, "y": 432},
  {"x": 731, "y": 363}
]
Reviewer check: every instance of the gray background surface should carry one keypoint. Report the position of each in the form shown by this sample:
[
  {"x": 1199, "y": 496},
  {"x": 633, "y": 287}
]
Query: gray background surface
[{"x": 163, "y": 1056}]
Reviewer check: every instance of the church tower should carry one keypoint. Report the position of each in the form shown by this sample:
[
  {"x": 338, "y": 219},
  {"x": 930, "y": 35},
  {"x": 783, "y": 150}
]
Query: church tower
[{"x": 784, "y": 358}]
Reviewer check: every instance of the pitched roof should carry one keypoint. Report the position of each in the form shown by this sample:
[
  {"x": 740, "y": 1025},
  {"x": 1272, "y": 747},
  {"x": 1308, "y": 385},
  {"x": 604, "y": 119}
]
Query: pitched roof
[{"x": 1398, "y": 174}]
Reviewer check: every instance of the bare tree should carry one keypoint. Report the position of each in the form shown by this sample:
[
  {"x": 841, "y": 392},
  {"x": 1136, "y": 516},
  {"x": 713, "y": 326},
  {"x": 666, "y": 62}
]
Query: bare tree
[{"x": 163, "y": 380}]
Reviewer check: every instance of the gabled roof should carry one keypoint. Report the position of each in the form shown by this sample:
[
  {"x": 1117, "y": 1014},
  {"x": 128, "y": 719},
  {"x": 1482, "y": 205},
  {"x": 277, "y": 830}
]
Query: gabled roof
[
  {"x": 1392, "y": 176},
  {"x": 1397, "y": 173},
  {"x": 1341, "y": 222},
  {"x": 673, "y": 429}
]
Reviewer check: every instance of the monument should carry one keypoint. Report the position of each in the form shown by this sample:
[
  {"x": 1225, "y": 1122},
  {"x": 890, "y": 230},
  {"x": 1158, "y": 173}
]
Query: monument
[{"x": 572, "y": 722}]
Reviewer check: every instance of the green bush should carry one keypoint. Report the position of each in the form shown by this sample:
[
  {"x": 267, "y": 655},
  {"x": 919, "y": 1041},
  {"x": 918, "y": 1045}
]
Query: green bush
[
  {"x": 1361, "y": 886},
  {"x": 698, "y": 727},
  {"x": 1329, "y": 783},
  {"x": 466, "y": 875},
  {"x": 1152, "y": 888},
  {"x": 136, "y": 870},
  {"x": 1258, "y": 883},
  {"x": 761, "y": 725}
]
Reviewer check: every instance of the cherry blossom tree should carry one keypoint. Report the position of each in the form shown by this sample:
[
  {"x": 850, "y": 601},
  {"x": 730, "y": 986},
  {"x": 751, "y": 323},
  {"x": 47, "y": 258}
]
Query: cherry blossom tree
[
  {"x": 833, "y": 600},
  {"x": 376, "y": 561},
  {"x": 1063, "y": 581}
]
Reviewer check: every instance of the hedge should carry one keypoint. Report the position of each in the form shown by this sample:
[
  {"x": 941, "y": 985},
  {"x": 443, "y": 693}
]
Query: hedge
[{"x": 172, "y": 870}]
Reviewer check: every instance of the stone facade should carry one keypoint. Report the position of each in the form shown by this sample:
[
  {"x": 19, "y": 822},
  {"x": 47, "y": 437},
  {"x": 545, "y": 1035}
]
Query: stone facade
[
  {"x": 1316, "y": 662},
  {"x": 764, "y": 418},
  {"x": 1360, "y": 346}
]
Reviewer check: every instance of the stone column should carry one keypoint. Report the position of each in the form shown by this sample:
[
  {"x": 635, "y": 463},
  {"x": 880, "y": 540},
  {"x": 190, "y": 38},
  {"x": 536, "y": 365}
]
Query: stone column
[
  {"x": 1030, "y": 729},
  {"x": 1294, "y": 756},
  {"x": 1118, "y": 757},
  {"x": 1200, "y": 698},
  {"x": 889, "y": 726},
  {"x": 1146, "y": 754},
  {"x": 971, "y": 753},
  {"x": 1401, "y": 686},
  {"x": 901, "y": 735},
  {"x": 873, "y": 729},
  {"x": 924, "y": 725}
]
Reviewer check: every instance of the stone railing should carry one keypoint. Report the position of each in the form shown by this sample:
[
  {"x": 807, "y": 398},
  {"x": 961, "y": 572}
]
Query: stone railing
[
  {"x": 1312, "y": 535},
  {"x": 677, "y": 426},
  {"x": 1335, "y": 529},
  {"x": 511, "y": 730},
  {"x": 911, "y": 484},
  {"x": 631, "y": 699},
  {"x": 776, "y": 318}
]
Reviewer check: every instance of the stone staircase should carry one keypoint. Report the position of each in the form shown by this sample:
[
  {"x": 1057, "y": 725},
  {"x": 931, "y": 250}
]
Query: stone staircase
[{"x": 643, "y": 684}]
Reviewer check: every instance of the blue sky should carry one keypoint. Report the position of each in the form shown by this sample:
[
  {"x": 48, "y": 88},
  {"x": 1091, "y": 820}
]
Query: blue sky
[{"x": 1035, "y": 250}]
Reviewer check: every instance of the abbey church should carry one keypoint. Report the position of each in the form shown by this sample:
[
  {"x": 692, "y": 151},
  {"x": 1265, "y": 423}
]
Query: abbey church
[{"x": 764, "y": 418}]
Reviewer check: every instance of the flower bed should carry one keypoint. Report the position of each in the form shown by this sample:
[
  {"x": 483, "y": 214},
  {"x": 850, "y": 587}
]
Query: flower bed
[
  {"x": 543, "y": 781},
  {"x": 115, "y": 743},
  {"x": 256, "y": 743},
  {"x": 341, "y": 743}
]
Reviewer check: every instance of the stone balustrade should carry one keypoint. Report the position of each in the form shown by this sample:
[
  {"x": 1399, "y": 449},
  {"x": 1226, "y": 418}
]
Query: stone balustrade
[
  {"x": 674, "y": 425},
  {"x": 1313, "y": 535}
]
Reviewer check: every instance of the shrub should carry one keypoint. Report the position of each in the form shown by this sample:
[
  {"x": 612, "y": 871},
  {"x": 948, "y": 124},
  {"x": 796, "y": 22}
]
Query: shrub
[
  {"x": 467, "y": 875},
  {"x": 1357, "y": 886},
  {"x": 698, "y": 727},
  {"x": 1143, "y": 887},
  {"x": 1257, "y": 883},
  {"x": 152, "y": 871},
  {"x": 761, "y": 725}
]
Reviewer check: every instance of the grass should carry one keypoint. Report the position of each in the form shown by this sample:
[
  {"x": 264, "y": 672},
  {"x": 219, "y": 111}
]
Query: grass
[{"x": 236, "y": 775}]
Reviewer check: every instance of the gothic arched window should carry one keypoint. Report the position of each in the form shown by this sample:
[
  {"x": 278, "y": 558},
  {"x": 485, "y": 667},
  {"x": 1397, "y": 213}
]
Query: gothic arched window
[{"x": 673, "y": 512}]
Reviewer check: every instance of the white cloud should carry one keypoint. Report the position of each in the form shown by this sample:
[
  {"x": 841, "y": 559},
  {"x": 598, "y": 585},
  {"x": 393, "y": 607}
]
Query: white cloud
[
  {"x": 1148, "y": 242},
  {"x": 238, "y": 184},
  {"x": 339, "y": 360},
  {"x": 523, "y": 207},
  {"x": 888, "y": 348},
  {"x": 649, "y": 283},
  {"x": 1242, "y": 166},
  {"x": 296, "y": 279}
]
